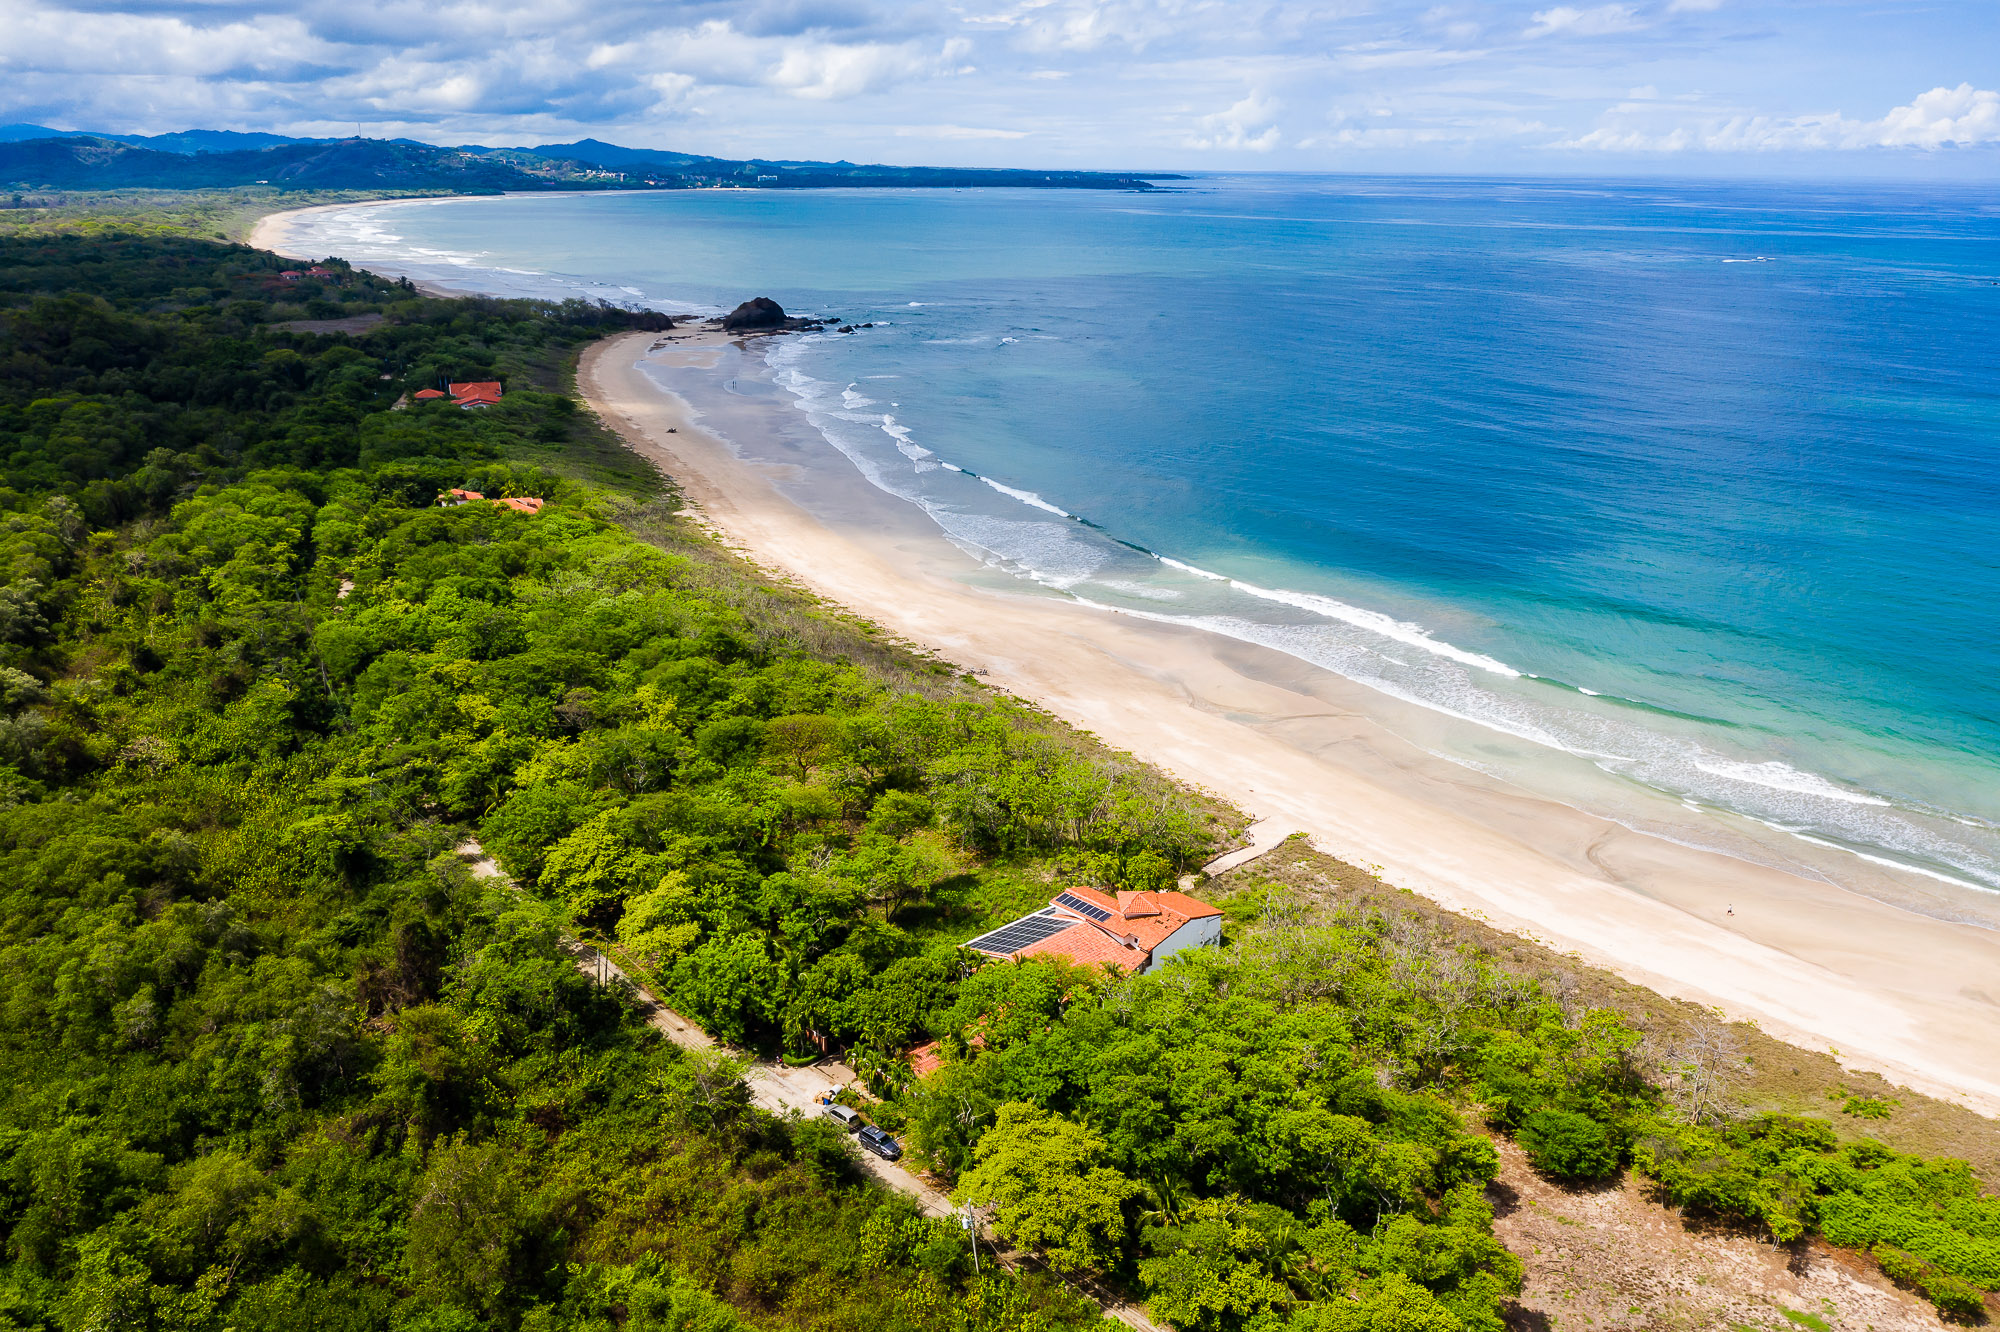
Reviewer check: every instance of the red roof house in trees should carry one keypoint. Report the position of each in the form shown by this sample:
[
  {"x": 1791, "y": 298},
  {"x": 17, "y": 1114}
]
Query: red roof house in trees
[
  {"x": 1134, "y": 932},
  {"x": 484, "y": 393}
]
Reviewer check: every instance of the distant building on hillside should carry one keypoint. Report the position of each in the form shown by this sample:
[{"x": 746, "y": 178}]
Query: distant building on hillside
[
  {"x": 1134, "y": 932},
  {"x": 426, "y": 395}
]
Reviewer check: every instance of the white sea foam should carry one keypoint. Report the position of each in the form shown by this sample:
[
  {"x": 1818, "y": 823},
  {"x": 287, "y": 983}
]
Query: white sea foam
[
  {"x": 1779, "y": 776},
  {"x": 1414, "y": 635},
  {"x": 1048, "y": 553},
  {"x": 1189, "y": 568},
  {"x": 908, "y": 447},
  {"x": 1027, "y": 497},
  {"x": 1897, "y": 864},
  {"x": 1143, "y": 591}
]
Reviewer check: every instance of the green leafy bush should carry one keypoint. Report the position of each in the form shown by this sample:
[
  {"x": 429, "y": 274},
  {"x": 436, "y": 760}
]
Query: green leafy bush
[{"x": 1568, "y": 1145}]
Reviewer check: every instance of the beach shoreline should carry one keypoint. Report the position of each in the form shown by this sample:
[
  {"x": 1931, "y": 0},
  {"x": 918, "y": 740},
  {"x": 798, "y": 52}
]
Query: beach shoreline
[
  {"x": 273, "y": 230},
  {"x": 1885, "y": 989}
]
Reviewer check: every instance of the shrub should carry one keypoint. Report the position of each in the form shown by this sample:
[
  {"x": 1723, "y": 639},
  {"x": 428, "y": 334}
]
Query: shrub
[
  {"x": 1568, "y": 1145},
  {"x": 1959, "y": 1299}
]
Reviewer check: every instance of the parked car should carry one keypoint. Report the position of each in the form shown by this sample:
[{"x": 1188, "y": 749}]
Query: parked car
[
  {"x": 880, "y": 1143},
  {"x": 844, "y": 1117}
]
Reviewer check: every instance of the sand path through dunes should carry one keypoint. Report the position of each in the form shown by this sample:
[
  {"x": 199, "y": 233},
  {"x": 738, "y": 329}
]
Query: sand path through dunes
[{"x": 1904, "y": 994}]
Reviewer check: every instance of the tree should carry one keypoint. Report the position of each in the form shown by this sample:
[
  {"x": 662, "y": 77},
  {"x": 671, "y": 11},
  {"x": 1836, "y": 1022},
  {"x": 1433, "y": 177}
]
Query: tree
[
  {"x": 1044, "y": 1175},
  {"x": 1703, "y": 1064},
  {"x": 467, "y": 1225}
]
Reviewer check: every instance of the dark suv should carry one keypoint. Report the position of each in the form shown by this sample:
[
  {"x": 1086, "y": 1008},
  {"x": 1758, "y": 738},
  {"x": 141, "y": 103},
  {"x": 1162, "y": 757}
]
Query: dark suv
[{"x": 880, "y": 1143}]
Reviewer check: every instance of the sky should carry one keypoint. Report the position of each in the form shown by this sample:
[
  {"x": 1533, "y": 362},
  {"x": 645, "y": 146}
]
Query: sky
[{"x": 1692, "y": 87}]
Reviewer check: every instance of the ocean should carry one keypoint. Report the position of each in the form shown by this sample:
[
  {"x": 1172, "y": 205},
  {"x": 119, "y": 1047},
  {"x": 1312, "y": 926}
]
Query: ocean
[{"x": 1676, "y": 502}]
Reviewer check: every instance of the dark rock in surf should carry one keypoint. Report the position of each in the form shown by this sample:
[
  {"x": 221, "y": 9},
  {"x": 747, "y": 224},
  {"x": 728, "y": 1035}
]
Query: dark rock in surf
[{"x": 762, "y": 312}]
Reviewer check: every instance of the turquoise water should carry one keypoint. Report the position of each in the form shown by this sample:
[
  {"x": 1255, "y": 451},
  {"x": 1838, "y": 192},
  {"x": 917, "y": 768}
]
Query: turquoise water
[{"x": 1666, "y": 496}]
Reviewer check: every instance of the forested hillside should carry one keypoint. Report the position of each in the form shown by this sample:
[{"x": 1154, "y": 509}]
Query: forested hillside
[
  {"x": 273, "y": 1058},
  {"x": 94, "y": 162}
]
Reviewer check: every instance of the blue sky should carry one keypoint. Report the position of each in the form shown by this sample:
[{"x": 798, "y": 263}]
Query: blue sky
[{"x": 1825, "y": 87}]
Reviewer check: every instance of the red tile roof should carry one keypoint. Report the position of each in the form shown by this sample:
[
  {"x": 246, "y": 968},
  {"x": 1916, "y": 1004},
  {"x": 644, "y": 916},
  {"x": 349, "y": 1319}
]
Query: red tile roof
[
  {"x": 925, "y": 1060},
  {"x": 481, "y": 391},
  {"x": 427, "y": 393},
  {"x": 1135, "y": 924},
  {"x": 524, "y": 504},
  {"x": 1087, "y": 946}
]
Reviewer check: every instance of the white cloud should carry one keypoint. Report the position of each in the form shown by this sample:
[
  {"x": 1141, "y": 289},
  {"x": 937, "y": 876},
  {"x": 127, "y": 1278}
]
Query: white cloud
[
  {"x": 1599, "y": 21},
  {"x": 1941, "y": 118},
  {"x": 1245, "y": 127},
  {"x": 956, "y": 132},
  {"x": 824, "y": 71},
  {"x": 47, "y": 40},
  {"x": 1387, "y": 55},
  {"x": 1694, "y": 6},
  {"x": 1944, "y": 116}
]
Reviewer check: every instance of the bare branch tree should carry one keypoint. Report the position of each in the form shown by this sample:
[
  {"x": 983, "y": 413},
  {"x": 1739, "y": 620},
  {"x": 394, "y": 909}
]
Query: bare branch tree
[{"x": 1701, "y": 1066}]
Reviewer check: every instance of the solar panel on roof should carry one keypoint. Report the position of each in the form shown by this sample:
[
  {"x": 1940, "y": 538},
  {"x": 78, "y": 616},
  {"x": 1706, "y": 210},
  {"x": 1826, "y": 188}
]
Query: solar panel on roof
[
  {"x": 1013, "y": 937},
  {"x": 1081, "y": 907}
]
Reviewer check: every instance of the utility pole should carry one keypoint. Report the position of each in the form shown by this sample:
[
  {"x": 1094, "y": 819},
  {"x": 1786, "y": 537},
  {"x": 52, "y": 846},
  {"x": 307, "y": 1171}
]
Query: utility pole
[{"x": 971, "y": 1228}]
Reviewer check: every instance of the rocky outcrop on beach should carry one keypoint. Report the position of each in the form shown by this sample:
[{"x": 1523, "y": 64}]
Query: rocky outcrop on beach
[
  {"x": 753, "y": 315},
  {"x": 764, "y": 315}
]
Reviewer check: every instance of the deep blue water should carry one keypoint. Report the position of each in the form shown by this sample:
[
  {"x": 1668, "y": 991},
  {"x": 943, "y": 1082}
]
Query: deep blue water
[{"x": 1692, "y": 484}]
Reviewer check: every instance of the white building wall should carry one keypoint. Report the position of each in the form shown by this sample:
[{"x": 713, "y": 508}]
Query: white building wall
[{"x": 1194, "y": 934}]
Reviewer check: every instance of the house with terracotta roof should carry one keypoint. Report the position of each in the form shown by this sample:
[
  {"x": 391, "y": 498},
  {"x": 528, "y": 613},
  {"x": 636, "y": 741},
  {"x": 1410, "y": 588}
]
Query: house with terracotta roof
[
  {"x": 1134, "y": 932},
  {"x": 455, "y": 497},
  {"x": 426, "y": 395},
  {"x": 483, "y": 393}
]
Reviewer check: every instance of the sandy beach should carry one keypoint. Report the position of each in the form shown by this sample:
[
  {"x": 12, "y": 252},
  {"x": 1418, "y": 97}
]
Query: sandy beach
[
  {"x": 1889, "y": 990},
  {"x": 273, "y": 230},
  {"x": 276, "y": 232}
]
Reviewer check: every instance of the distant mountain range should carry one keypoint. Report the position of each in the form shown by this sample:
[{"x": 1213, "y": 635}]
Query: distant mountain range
[{"x": 35, "y": 157}]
